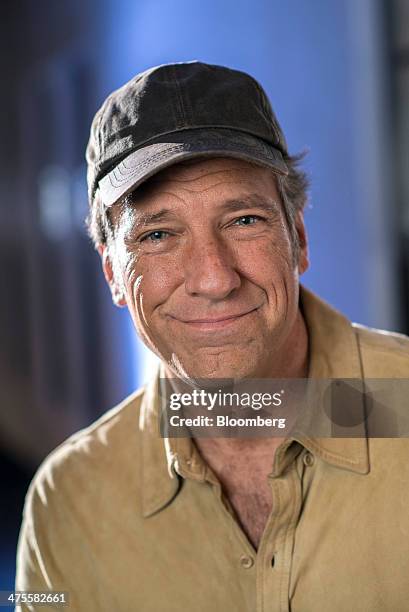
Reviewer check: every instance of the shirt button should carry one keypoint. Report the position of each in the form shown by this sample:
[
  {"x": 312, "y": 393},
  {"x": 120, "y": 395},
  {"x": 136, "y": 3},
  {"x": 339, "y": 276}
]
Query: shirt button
[
  {"x": 246, "y": 561},
  {"x": 308, "y": 459}
]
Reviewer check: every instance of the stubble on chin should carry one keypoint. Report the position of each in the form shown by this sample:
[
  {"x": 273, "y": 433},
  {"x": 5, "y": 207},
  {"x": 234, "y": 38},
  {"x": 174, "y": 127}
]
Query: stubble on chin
[{"x": 211, "y": 363}]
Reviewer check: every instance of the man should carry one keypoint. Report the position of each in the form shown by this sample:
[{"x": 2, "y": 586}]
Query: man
[{"x": 197, "y": 214}]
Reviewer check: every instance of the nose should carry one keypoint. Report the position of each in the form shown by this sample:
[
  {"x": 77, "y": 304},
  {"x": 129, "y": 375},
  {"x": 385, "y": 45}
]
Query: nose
[{"x": 209, "y": 267}]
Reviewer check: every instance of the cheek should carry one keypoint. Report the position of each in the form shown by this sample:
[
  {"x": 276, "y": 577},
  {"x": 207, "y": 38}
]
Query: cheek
[
  {"x": 267, "y": 260},
  {"x": 150, "y": 285},
  {"x": 150, "y": 288}
]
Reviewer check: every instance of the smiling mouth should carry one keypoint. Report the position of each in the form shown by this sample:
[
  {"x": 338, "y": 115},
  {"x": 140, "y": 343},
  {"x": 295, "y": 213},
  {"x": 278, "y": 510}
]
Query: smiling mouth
[{"x": 214, "y": 323}]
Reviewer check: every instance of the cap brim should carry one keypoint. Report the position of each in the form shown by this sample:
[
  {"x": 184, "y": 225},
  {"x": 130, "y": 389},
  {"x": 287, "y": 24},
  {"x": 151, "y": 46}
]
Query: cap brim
[{"x": 143, "y": 163}]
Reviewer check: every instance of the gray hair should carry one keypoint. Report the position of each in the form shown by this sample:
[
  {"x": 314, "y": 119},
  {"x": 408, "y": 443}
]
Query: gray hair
[{"x": 293, "y": 191}]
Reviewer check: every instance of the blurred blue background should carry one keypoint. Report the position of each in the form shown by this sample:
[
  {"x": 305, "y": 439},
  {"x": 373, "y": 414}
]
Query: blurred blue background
[{"x": 337, "y": 73}]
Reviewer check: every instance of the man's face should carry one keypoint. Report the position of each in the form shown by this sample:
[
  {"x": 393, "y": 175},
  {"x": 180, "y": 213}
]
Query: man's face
[{"x": 208, "y": 269}]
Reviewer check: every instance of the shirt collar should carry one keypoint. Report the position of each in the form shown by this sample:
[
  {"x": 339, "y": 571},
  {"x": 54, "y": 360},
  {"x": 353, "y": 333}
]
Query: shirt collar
[
  {"x": 164, "y": 460},
  {"x": 160, "y": 483},
  {"x": 333, "y": 353}
]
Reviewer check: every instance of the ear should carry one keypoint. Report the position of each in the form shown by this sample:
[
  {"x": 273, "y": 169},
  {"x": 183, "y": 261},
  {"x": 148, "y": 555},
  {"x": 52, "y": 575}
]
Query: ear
[
  {"x": 117, "y": 294},
  {"x": 303, "y": 256}
]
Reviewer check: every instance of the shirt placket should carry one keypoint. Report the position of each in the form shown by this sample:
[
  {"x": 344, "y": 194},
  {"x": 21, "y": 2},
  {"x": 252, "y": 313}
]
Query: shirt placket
[
  {"x": 270, "y": 566},
  {"x": 274, "y": 557}
]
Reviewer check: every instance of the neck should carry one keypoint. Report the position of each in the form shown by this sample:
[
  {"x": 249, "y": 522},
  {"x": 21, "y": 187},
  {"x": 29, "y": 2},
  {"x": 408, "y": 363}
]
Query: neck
[{"x": 293, "y": 361}]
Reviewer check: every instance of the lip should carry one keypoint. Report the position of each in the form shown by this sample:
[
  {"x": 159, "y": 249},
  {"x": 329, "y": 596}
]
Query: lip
[{"x": 215, "y": 323}]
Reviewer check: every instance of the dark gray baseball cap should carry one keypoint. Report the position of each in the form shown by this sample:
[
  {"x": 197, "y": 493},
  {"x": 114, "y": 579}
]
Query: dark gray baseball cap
[{"x": 177, "y": 112}]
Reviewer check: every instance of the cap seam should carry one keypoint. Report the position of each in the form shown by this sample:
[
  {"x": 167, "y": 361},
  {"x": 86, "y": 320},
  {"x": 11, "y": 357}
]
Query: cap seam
[
  {"x": 181, "y": 110},
  {"x": 203, "y": 127},
  {"x": 103, "y": 111},
  {"x": 266, "y": 115},
  {"x": 94, "y": 185}
]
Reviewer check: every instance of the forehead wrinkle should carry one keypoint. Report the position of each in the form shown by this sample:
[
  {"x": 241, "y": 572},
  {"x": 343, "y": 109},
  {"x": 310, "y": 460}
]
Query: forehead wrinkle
[
  {"x": 132, "y": 213},
  {"x": 201, "y": 189},
  {"x": 132, "y": 209},
  {"x": 169, "y": 174},
  {"x": 235, "y": 204}
]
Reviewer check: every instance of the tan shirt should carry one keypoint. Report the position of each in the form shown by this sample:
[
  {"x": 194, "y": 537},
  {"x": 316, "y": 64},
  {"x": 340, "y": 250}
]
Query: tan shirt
[{"x": 126, "y": 521}]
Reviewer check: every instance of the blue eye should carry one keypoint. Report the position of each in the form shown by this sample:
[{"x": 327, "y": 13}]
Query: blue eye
[
  {"x": 155, "y": 236},
  {"x": 247, "y": 220}
]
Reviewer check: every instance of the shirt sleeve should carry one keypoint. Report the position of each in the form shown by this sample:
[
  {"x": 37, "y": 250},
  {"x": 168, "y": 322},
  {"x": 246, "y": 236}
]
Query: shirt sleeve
[
  {"x": 34, "y": 556},
  {"x": 62, "y": 533},
  {"x": 42, "y": 552}
]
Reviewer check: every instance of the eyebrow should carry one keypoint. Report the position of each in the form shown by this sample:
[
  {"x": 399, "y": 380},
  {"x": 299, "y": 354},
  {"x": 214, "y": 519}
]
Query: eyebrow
[
  {"x": 145, "y": 219},
  {"x": 232, "y": 205},
  {"x": 251, "y": 201}
]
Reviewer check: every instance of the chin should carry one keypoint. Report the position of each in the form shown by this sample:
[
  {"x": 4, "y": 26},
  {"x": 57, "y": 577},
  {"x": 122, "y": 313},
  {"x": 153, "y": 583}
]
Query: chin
[
  {"x": 238, "y": 361},
  {"x": 218, "y": 371}
]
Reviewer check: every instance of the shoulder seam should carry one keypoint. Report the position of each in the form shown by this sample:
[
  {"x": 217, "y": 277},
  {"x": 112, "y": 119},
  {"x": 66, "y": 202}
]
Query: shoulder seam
[{"x": 373, "y": 337}]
